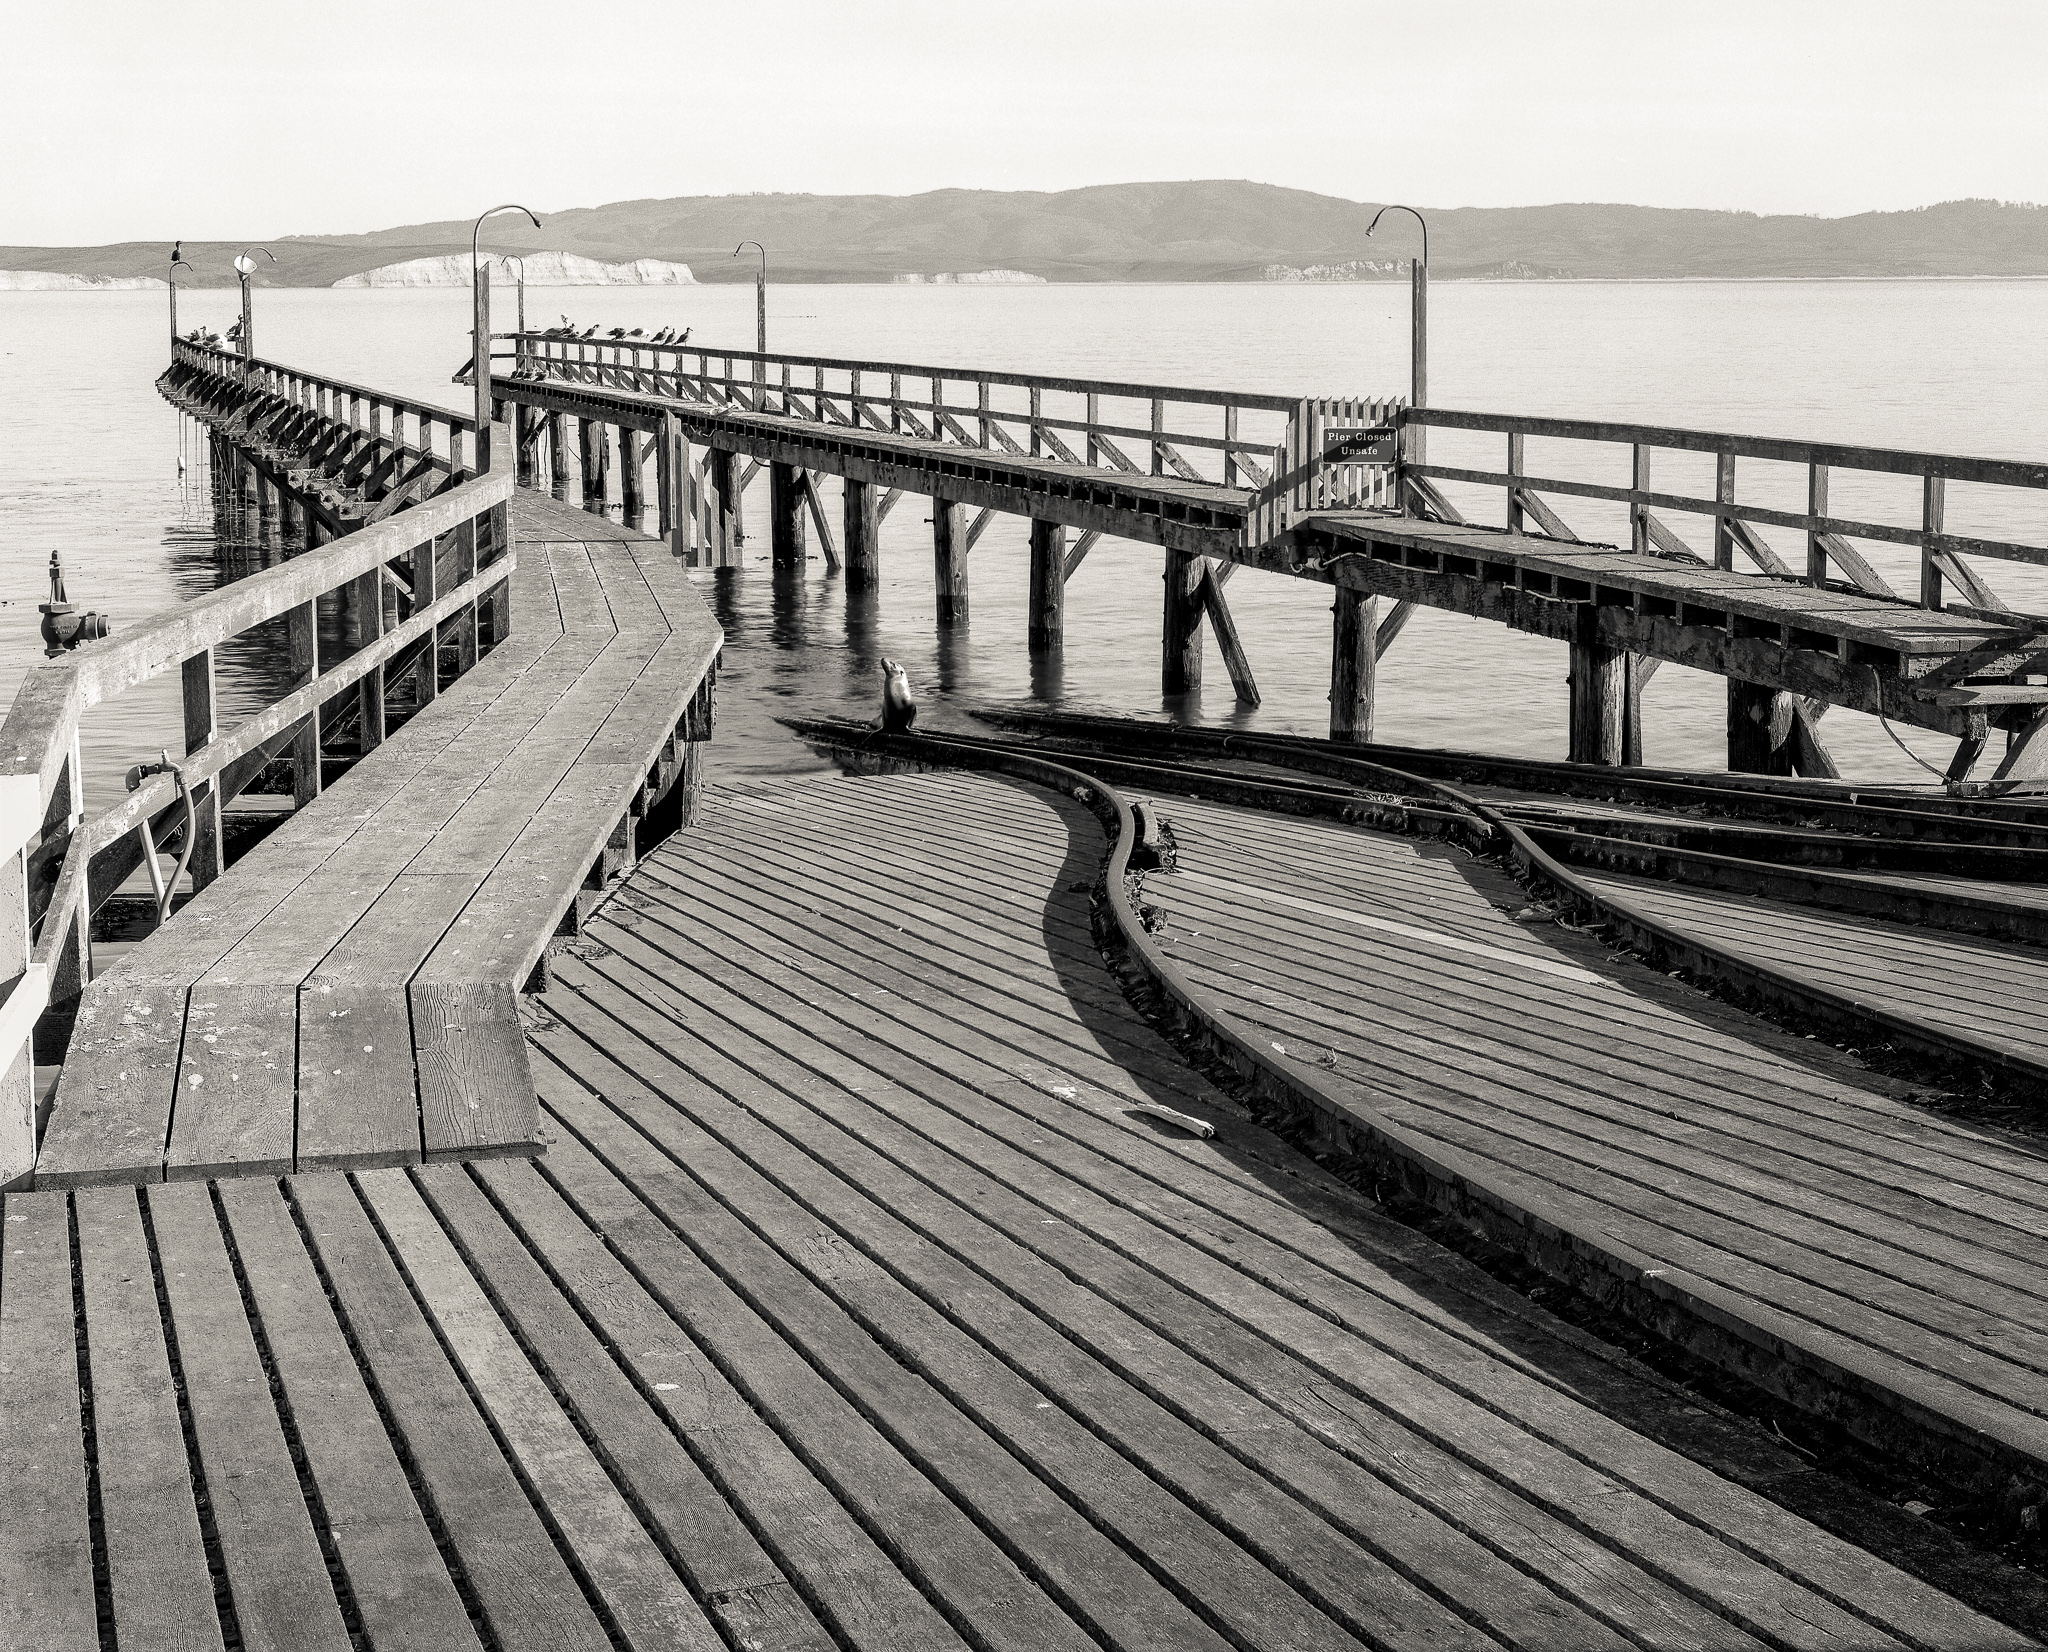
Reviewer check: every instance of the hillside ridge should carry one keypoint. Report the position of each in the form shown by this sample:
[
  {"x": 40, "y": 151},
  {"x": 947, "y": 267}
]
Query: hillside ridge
[{"x": 1196, "y": 230}]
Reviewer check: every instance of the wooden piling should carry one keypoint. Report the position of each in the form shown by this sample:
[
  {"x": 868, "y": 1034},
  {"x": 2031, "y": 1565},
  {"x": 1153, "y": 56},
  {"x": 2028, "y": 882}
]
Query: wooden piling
[
  {"x": 632, "y": 464},
  {"x": 786, "y": 518},
  {"x": 595, "y": 450},
  {"x": 1046, "y": 625},
  {"x": 863, "y": 537},
  {"x": 721, "y": 485},
  {"x": 1354, "y": 664},
  {"x": 1599, "y": 694},
  {"x": 949, "y": 559},
  {"x": 1760, "y": 729},
  {"x": 558, "y": 456},
  {"x": 1180, "y": 665}
]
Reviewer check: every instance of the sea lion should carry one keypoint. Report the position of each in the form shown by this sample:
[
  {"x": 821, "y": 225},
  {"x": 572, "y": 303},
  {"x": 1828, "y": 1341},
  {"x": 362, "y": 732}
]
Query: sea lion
[{"x": 899, "y": 705}]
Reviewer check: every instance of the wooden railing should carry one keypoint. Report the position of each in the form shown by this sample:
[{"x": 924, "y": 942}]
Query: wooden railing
[
  {"x": 416, "y": 582},
  {"x": 437, "y": 439},
  {"x": 1830, "y": 555},
  {"x": 1140, "y": 429}
]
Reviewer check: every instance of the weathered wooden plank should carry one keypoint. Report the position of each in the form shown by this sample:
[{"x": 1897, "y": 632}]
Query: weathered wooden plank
[
  {"x": 46, "y": 1564},
  {"x": 1227, "y": 643},
  {"x": 476, "y": 1087},
  {"x": 358, "y": 1104},
  {"x": 838, "y": 1562},
  {"x": 397, "y": 1578},
  {"x": 157, "y": 1577},
  {"x": 647, "y": 1603},
  {"x": 726, "y": 1566},
  {"x": 284, "y": 1598},
  {"x": 528, "y": 1596}
]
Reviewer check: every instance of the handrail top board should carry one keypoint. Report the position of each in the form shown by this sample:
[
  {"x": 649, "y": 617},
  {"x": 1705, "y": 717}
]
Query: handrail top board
[
  {"x": 1214, "y": 495},
  {"x": 384, "y": 398},
  {"x": 1027, "y": 381},
  {"x": 1902, "y": 626},
  {"x": 1953, "y": 467}
]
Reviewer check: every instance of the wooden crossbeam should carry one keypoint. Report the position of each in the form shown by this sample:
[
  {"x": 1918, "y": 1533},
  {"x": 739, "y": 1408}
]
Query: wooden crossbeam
[
  {"x": 1181, "y": 467},
  {"x": 1391, "y": 627},
  {"x": 888, "y": 504},
  {"x": 1760, "y": 553},
  {"x": 748, "y": 476},
  {"x": 1252, "y": 468},
  {"x": 1546, "y": 518},
  {"x": 1117, "y": 456},
  {"x": 1006, "y": 441},
  {"x": 1227, "y": 642},
  {"x": 948, "y": 422},
  {"x": 1851, "y": 561},
  {"x": 1668, "y": 542},
  {"x": 810, "y": 487},
  {"x": 975, "y": 527},
  {"x": 1079, "y": 553},
  {"x": 1052, "y": 440},
  {"x": 402, "y": 495}
]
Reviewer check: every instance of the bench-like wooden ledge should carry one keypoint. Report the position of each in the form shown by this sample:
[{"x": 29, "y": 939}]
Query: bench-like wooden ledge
[{"x": 347, "y": 995}]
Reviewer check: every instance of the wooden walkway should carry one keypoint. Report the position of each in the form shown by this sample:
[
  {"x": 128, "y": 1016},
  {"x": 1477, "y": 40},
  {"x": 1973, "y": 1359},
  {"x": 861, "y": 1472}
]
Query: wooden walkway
[
  {"x": 346, "y": 996},
  {"x": 1765, "y": 1196},
  {"x": 854, "y": 1304}
]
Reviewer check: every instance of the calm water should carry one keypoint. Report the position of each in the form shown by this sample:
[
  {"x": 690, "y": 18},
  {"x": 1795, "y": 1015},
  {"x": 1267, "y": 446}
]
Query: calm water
[{"x": 91, "y": 467}]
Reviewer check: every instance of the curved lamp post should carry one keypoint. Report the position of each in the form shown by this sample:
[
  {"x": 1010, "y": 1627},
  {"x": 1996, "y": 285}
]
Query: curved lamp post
[
  {"x": 480, "y": 329},
  {"x": 177, "y": 264},
  {"x": 508, "y": 259},
  {"x": 1418, "y": 314},
  {"x": 760, "y": 295},
  {"x": 245, "y": 266}
]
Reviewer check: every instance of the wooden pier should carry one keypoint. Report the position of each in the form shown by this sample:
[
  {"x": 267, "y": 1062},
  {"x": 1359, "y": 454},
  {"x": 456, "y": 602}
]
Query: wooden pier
[{"x": 534, "y": 1194}]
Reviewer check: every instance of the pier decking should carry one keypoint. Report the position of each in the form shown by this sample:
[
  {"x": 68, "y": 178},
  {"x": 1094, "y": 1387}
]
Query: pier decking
[
  {"x": 1766, "y": 1197},
  {"x": 348, "y": 996},
  {"x": 854, "y": 1303}
]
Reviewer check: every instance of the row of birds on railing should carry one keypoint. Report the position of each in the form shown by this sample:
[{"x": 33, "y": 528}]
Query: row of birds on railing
[
  {"x": 569, "y": 329},
  {"x": 212, "y": 340}
]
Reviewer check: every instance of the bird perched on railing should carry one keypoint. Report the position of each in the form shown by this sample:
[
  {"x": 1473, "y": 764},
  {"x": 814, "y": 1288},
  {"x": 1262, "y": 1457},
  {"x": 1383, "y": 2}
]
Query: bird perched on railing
[
  {"x": 662, "y": 336},
  {"x": 617, "y": 332},
  {"x": 234, "y": 332},
  {"x": 591, "y": 330},
  {"x": 899, "y": 705}
]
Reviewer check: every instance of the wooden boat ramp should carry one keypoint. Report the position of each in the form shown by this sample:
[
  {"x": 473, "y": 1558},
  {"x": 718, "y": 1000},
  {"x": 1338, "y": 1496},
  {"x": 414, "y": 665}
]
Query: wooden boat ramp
[{"x": 543, "y": 1195}]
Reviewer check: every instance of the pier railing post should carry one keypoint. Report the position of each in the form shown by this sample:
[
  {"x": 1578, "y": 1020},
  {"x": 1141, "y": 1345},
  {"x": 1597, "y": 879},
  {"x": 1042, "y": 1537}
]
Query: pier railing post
[
  {"x": 302, "y": 639},
  {"x": 1180, "y": 664},
  {"x": 1354, "y": 664},
  {"x": 1816, "y": 539},
  {"x": 1046, "y": 625},
  {"x": 949, "y": 558},
  {"x": 17, "y": 1067},
  {"x": 863, "y": 537},
  {"x": 197, "y": 691},
  {"x": 1932, "y": 511}
]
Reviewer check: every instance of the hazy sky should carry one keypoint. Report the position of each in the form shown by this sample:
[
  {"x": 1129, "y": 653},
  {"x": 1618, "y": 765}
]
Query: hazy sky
[{"x": 151, "y": 119}]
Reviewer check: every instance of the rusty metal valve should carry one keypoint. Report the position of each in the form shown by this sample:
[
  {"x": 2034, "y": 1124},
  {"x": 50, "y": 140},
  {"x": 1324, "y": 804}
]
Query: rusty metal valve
[{"x": 64, "y": 627}]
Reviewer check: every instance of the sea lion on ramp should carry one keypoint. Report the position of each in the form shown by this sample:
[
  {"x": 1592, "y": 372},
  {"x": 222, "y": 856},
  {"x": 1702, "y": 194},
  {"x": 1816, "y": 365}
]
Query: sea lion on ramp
[{"x": 899, "y": 705}]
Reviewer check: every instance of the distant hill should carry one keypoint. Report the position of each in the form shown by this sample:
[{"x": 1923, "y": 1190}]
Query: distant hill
[{"x": 1217, "y": 230}]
